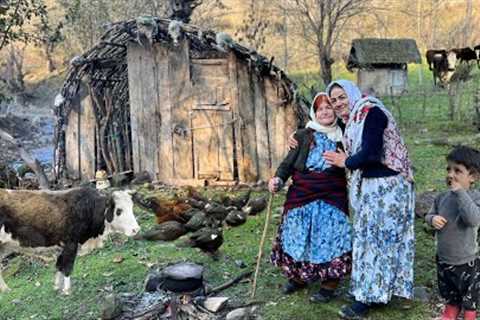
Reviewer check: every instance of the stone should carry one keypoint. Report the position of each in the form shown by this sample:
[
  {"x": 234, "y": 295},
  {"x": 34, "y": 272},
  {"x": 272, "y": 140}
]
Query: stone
[
  {"x": 421, "y": 294},
  {"x": 238, "y": 314},
  {"x": 214, "y": 304},
  {"x": 111, "y": 307}
]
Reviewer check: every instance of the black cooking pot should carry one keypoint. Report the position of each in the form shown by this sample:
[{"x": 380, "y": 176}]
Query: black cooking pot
[{"x": 182, "y": 277}]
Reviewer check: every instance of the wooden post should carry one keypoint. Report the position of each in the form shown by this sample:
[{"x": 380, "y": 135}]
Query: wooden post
[{"x": 395, "y": 105}]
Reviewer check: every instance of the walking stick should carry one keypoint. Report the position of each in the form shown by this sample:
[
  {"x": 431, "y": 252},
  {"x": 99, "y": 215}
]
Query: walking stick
[{"x": 262, "y": 241}]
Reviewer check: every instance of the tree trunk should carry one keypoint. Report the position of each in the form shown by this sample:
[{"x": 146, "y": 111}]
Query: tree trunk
[
  {"x": 325, "y": 67},
  {"x": 50, "y": 63},
  {"x": 453, "y": 101}
]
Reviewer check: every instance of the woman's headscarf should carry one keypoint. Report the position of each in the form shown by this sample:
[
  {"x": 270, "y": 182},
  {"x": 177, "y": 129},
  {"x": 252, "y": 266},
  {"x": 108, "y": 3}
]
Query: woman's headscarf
[
  {"x": 333, "y": 131},
  {"x": 353, "y": 92}
]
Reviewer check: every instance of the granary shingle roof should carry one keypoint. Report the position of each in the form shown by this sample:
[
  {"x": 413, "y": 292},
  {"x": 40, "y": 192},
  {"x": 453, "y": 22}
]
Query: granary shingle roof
[{"x": 369, "y": 51}]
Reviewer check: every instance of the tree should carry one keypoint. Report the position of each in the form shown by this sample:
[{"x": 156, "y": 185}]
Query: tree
[
  {"x": 48, "y": 37},
  {"x": 252, "y": 31},
  {"x": 321, "y": 23},
  {"x": 87, "y": 20},
  {"x": 14, "y": 16}
]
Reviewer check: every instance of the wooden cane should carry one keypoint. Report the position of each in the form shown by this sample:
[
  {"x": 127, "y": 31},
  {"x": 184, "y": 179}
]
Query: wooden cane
[{"x": 262, "y": 241}]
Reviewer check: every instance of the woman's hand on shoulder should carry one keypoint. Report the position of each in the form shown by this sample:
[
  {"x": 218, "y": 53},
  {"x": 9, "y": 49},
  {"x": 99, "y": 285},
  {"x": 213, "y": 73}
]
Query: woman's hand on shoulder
[
  {"x": 336, "y": 159},
  {"x": 274, "y": 184},
  {"x": 292, "y": 142}
]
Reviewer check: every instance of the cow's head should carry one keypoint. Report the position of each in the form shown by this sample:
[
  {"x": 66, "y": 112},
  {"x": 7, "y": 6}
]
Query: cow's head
[
  {"x": 122, "y": 218},
  {"x": 448, "y": 69}
]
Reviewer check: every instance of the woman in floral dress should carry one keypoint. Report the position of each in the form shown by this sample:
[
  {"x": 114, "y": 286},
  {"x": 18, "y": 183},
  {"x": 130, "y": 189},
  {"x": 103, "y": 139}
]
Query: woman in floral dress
[
  {"x": 314, "y": 239},
  {"x": 382, "y": 198}
]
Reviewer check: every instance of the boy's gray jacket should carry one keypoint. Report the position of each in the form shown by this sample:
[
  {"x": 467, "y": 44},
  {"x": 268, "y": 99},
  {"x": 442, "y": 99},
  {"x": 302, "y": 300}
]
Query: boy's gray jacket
[{"x": 457, "y": 240}]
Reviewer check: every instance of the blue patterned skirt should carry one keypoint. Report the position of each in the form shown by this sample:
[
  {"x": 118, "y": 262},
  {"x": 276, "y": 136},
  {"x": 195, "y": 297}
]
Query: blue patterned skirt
[
  {"x": 313, "y": 243},
  {"x": 383, "y": 240}
]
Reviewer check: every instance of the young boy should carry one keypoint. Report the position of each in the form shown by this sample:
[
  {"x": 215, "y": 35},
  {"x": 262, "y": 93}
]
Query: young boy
[{"x": 456, "y": 217}]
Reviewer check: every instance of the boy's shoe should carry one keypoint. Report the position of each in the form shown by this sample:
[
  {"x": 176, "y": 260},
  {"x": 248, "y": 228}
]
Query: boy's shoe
[
  {"x": 322, "y": 296},
  {"x": 355, "y": 311},
  {"x": 451, "y": 312},
  {"x": 470, "y": 315},
  {"x": 292, "y": 286}
]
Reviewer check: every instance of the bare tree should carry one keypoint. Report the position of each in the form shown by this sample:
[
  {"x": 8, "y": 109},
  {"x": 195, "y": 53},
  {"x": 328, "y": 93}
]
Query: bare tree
[
  {"x": 321, "y": 23},
  {"x": 252, "y": 31},
  {"x": 48, "y": 36},
  {"x": 12, "y": 73}
]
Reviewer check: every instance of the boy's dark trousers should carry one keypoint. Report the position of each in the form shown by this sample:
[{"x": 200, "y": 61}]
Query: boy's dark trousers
[{"x": 460, "y": 285}]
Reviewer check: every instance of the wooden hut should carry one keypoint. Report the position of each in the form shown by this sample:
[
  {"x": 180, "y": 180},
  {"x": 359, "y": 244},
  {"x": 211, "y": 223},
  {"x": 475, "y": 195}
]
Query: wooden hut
[
  {"x": 184, "y": 104},
  {"x": 382, "y": 64}
]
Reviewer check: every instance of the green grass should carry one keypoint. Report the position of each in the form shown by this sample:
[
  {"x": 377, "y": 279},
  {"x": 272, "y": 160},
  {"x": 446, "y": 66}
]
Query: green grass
[{"x": 95, "y": 275}]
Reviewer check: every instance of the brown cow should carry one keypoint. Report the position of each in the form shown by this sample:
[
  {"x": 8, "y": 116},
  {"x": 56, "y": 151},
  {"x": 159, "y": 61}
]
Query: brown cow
[{"x": 64, "y": 219}]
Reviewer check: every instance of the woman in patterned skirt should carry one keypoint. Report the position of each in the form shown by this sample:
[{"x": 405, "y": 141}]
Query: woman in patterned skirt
[
  {"x": 314, "y": 239},
  {"x": 381, "y": 197}
]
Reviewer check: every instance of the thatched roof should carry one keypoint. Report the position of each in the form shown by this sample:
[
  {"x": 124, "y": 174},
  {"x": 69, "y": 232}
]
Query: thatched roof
[
  {"x": 103, "y": 68},
  {"x": 373, "y": 51}
]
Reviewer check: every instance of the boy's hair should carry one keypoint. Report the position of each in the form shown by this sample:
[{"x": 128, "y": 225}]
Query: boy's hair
[{"x": 466, "y": 156}]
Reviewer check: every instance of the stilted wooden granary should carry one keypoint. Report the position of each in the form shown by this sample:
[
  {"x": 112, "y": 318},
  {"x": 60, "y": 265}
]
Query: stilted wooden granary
[
  {"x": 186, "y": 105},
  {"x": 382, "y": 64}
]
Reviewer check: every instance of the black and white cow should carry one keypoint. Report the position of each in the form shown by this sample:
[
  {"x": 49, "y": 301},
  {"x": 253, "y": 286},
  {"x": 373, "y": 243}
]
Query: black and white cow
[
  {"x": 65, "y": 219},
  {"x": 477, "y": 52},
  {"x": 465, "y": 54},
  {"x": 442, "y": 64}
]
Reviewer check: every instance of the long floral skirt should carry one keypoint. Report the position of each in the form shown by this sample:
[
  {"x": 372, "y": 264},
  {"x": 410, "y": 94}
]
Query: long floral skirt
[
  {"x": 313, "y": 243},
  {"x": 383, "y": 240}
]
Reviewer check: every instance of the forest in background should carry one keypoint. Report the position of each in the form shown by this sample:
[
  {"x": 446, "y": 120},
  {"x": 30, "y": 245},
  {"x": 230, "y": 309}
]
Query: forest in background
[{"x": 302, "y": 35}]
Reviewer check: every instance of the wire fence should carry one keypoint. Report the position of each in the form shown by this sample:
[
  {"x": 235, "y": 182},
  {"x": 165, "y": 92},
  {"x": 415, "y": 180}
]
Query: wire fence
[{"x": 458, "y": 101}]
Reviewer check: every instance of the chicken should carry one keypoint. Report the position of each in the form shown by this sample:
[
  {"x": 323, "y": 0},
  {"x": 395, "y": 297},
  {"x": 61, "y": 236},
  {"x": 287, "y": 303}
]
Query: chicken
[
  {"x": 198, "y": 221},
  {"x": 165, "y": 210},
  {"x": 238, "y": 202},
  {"x": 197, "y": 204},
  {"x": 207, "y": 239},
  {"x": 166, "y": 231},
  {"x": 236, "y": 218},
  {"x": 194, "y": 194},
  {"x": 216, "y": 211},
  {"x": 256, "y": 205}
]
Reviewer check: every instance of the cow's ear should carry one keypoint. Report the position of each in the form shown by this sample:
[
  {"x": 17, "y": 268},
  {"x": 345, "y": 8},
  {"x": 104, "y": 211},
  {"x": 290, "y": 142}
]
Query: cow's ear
[{"x": 109, "y": 208}]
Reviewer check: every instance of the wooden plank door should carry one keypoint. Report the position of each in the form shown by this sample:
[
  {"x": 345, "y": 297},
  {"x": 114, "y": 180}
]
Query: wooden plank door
[
  {"x": 212, "y": 120},
  {"x": 213, "y": 145}
]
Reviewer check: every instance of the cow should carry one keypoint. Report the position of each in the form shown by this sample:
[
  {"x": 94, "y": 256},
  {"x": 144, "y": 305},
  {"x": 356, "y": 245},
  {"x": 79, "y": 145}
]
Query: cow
[
  {"x": 477, "y": 52},
  {"x": 442, "y": 63},
  {"x": 63, "y": 219},
  {"x": 465, "y": 54}
]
